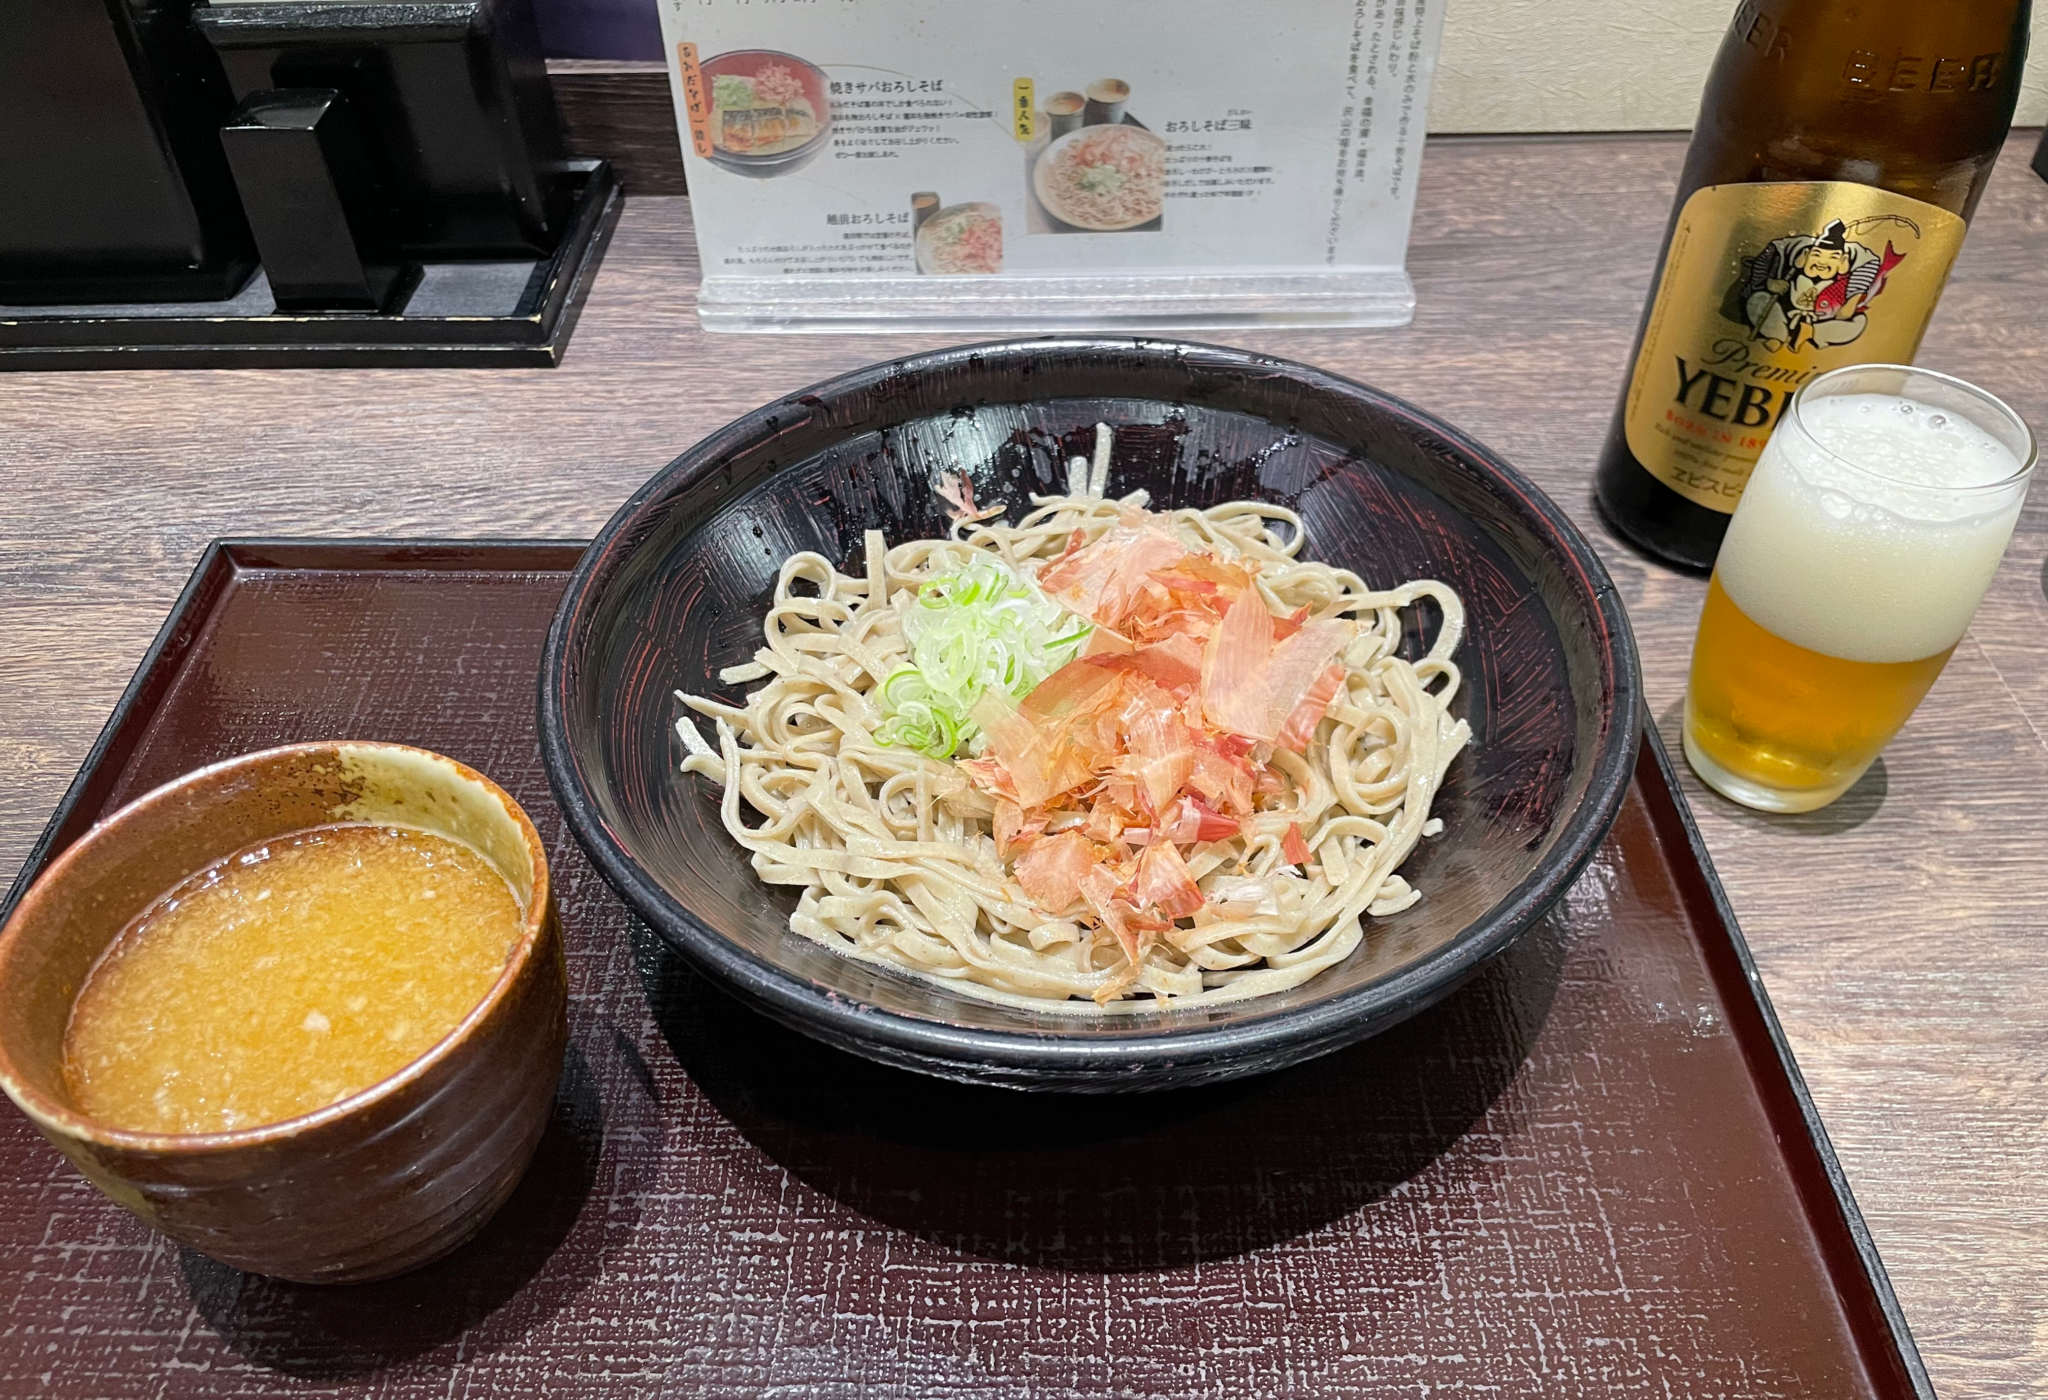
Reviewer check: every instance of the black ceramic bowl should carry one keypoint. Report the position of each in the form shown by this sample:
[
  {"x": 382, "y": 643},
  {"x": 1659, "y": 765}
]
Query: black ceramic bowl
[{"x": 675, "y": 588}]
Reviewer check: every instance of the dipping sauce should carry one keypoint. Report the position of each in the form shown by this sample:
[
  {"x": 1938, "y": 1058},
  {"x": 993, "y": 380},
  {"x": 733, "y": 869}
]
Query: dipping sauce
[{"x": 287, "y": 976}]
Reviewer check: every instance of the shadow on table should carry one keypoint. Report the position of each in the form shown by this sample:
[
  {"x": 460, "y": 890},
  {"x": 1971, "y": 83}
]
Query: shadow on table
[
  {"x": 1112, "y": 1183},
  {"x": 332, "y": 1332}
]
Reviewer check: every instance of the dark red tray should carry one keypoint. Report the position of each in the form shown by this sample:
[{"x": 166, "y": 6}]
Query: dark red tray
[{"x": 1594, "y": 1172}]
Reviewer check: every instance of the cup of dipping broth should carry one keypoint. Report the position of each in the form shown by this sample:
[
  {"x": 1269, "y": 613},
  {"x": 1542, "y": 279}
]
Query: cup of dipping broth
[{"x": 303, "y": 1011}]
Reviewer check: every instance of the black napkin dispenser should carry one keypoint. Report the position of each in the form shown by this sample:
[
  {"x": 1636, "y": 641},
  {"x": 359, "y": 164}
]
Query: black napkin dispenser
[
  {"x": 453, "y": 103},
  {"x": 113, "y": 184}
]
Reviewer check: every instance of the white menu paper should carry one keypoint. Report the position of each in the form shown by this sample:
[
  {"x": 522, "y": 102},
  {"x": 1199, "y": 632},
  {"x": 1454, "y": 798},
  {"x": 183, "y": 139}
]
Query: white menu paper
[{"x": 856, "y": 164}]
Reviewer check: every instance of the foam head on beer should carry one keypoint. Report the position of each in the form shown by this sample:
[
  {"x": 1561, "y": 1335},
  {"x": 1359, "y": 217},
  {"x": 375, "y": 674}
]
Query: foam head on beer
[{"x": 1869, "y": 538}]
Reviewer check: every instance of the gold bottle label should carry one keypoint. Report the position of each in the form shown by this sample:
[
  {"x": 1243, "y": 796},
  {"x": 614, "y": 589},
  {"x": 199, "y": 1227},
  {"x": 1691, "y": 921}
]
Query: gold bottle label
[{"x": 1765, "y": 287}]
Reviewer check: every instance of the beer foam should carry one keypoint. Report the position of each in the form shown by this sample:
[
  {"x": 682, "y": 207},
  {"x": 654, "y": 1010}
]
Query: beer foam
[
  {"x": 1862, "y": 536},
  {"x": 1904, "y": 442}
]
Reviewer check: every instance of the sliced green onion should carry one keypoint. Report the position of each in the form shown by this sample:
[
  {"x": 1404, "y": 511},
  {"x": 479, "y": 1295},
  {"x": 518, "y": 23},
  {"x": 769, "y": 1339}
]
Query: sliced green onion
[{"x": 978, "y": 629}]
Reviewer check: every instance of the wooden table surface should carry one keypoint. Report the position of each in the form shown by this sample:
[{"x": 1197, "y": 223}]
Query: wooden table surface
[{"x": 1898, "y": 931}]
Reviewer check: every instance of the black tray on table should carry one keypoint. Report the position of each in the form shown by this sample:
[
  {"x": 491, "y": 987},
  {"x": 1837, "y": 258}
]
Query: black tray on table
[{"x": 1594, "y": 1171}]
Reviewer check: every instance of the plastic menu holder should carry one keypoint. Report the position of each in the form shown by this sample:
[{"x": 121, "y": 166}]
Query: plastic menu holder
[{"x": 916, "y": 164}]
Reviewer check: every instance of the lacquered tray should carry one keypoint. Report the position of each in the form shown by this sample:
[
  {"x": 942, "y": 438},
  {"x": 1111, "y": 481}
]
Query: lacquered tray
[{"x": 1593, "y": 1172}]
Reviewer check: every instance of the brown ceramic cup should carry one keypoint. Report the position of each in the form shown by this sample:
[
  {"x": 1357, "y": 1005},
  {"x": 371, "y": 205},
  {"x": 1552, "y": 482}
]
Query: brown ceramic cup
[
  {"x": 375, "y": 1184},
  {"x": 1106, "y": 99},
  {"x": 1063, "y": 112}
]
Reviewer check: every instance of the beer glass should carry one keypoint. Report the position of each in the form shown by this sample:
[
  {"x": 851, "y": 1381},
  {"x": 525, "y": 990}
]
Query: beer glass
[{"x": 1862, "y": 545}]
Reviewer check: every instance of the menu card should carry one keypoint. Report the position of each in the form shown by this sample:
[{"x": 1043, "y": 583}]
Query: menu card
[{"x": 862, "y": 163}]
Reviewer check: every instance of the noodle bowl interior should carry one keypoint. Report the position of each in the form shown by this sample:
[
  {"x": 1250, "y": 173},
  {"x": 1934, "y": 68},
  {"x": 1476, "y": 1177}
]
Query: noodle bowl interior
[{"x": 1103, "y": 759}]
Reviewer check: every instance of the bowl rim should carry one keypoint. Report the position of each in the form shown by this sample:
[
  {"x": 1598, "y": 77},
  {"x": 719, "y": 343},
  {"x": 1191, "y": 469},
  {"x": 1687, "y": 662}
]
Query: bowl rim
[
  {"x": 827, "y": 1013},
  {"x": 61, "y": 1119}
]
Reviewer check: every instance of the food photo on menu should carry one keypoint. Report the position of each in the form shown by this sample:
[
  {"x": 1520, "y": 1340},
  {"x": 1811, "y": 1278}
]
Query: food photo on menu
[
  {"x": 1093, "y": 165},
  {"x": 898, "y": 816},
  {"x": 770, "y": 113},
  {"x": 959, "y": 238}
]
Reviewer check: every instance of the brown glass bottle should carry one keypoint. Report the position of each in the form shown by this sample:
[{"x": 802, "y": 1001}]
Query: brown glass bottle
[{"x": 1840, "y": 146}]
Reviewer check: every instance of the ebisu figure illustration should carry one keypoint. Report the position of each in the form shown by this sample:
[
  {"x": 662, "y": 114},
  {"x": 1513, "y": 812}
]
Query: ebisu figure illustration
[{"x": 1812, "y": 288}]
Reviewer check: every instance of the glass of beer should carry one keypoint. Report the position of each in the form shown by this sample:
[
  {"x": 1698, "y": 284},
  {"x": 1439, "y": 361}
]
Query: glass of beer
[{"x": 1863, "y": 543}]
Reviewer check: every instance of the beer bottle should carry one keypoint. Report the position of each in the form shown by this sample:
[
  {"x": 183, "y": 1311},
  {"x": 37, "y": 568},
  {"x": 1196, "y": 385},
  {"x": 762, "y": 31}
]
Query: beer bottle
[{"x": 1841, "y": 146}]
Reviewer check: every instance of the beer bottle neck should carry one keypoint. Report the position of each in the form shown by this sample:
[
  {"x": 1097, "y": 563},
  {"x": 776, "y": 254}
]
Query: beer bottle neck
[{"x": 1913, "y": 96}]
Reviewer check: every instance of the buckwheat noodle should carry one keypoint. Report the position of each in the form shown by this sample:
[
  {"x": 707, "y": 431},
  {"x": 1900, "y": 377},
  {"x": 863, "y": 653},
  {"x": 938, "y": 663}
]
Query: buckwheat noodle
[{"x": 893, "y": 853}]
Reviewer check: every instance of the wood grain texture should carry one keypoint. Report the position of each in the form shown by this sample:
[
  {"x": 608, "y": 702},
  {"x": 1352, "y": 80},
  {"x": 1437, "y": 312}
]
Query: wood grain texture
[
  {"x": 1899, "y": 931},
  {"x": 620, "y": 111}
]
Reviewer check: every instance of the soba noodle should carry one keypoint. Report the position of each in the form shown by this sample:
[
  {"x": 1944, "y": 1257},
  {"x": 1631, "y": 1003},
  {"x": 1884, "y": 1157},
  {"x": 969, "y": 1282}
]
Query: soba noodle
[{"x": 892, "y": 851}]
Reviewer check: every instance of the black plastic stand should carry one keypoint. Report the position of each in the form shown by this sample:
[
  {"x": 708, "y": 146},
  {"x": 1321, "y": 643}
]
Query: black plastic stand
[
  {"x": 513, "y": 313},
  {"x": 320, "y": 215}
]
